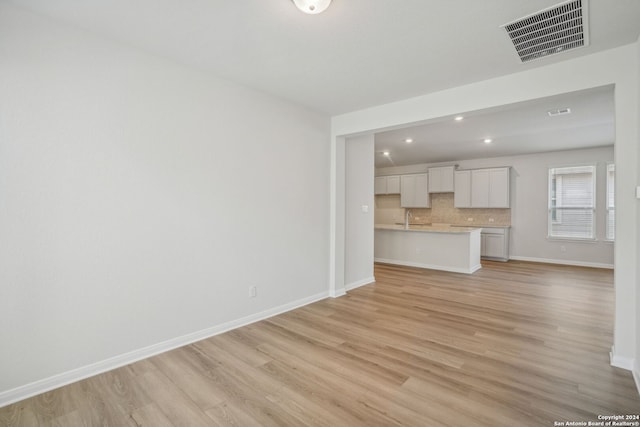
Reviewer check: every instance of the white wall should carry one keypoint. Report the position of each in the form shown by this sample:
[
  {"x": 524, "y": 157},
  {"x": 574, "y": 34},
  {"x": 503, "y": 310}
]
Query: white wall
[
  {"x": 139, "y": 200},
  {"x": 617, "y": 66},
  {"x": 637, "y": 356},
  {"x": 528, "y": 198},
  {"x": 359, "y": 165}
]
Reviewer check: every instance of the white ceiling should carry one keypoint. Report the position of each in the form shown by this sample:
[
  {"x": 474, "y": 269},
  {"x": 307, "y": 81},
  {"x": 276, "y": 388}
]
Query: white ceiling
[
  {"x": 357, "y": 54},
  {"x": 514, "y": 129}
]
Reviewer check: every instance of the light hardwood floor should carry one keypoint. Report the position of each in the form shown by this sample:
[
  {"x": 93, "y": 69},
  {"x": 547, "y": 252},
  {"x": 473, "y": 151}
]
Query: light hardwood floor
[{"x": 515, "y": 344}]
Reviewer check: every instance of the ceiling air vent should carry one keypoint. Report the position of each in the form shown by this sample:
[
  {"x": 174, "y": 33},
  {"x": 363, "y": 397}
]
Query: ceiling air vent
[
  {"x": 550, "y": 31},
  {"x": 559, "y": 112}
]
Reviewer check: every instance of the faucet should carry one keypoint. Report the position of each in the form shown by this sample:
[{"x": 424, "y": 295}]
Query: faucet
[{"x": 407, "y": 215}]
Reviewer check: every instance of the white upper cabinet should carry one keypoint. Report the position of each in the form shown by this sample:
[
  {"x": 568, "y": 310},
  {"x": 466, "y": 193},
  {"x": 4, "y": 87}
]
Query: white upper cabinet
[
  {"x": 414, "y": 191},
  {"x": 499, "y": 188},
  {"x": 462, "y": 194},
  {"x": 441, "y": 179},
  {"x": 473, "y": 188},
  {"x": 482, "y": 188},
  {"x": 387, "y": 184},
  {"x": 393, "y": 184}
]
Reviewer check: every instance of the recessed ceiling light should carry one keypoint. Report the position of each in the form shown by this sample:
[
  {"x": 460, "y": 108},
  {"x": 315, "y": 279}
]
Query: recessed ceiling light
[
  {"x": 408, "y": 140},
  {"x": 386, "y": 153},
  {"x": 488, "y": 141},
  {"x": 458, "y": 118}
]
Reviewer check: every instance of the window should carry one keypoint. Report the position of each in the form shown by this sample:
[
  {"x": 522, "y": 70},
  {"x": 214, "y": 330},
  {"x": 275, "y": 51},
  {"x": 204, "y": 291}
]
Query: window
[
  {"x": 611, "y": 202},
  {"x": 572, "y": 202}
]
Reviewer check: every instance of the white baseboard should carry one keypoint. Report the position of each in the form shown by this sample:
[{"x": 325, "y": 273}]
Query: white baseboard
[
  {"x": 359, "y": 283},
  {"x": 41, "y": 386},
  {"x": 621, "y": 361},
  {"x": 563, "y": 262},
  {"x": 430, "y": 266},
  {"x": 337, "y": 293},
  {"x": 636, "y": 377}
]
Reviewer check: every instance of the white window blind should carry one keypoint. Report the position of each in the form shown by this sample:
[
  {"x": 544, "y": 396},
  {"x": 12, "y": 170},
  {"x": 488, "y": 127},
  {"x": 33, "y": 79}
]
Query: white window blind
[
  {"x": 572, "y": 202},
  {"x": 611, "y": 202}
]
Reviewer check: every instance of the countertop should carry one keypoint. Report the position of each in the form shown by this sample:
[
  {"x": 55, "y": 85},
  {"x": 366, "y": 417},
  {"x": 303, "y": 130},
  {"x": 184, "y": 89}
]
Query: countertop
[
  {"x": 427, "y": 228},
  {"x": 484, "y": 226}
]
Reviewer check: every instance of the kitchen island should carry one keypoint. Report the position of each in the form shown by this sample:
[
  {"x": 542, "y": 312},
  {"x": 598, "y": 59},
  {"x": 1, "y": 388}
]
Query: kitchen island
[{"x": 437, "y": 247}]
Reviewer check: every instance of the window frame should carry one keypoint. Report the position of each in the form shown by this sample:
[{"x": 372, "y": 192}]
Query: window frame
[
  {"x": 607, "y": 209},
  {"x": 555, "y": 216},
  {"x": 551, "y": 220}
]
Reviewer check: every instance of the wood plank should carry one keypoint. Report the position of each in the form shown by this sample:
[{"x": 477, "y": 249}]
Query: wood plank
[
  {"x": 515, "y": 343},
  {"x": 150, "y": 416},
  {"x": 174, "y": 404}
]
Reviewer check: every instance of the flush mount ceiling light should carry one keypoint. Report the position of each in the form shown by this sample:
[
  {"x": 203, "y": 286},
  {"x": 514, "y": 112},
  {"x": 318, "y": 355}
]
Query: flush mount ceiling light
[
  {"x": 408, "y": 140},
  {"x": 312, "y": 7},
  {"x": 458, "y": 118},
  {"x": 488, "y": 141},
  {"x": 385, "y": 153}
]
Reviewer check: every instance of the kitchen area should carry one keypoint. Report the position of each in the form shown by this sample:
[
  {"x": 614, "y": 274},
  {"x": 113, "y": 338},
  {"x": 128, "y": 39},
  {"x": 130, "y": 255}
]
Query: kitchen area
[
  {"x": 444, "y": 218},
  {"x": 450, "y": 192}
]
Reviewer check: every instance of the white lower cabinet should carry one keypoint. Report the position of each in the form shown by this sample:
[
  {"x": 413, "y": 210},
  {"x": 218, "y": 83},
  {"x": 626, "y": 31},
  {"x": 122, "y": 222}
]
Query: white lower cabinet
[{"x": 494, "y": 243}]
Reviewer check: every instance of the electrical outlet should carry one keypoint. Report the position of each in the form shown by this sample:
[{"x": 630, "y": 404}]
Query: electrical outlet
[
  {"x": 563, "y": 248},
  {"x": 253, "y": 291},
  {"x": 470, "y": 219},
  {"x": 491, "y": 220}
]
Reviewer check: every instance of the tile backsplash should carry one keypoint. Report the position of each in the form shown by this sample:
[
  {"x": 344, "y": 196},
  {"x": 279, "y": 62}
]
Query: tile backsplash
[{"x": 388, "y": 211}]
